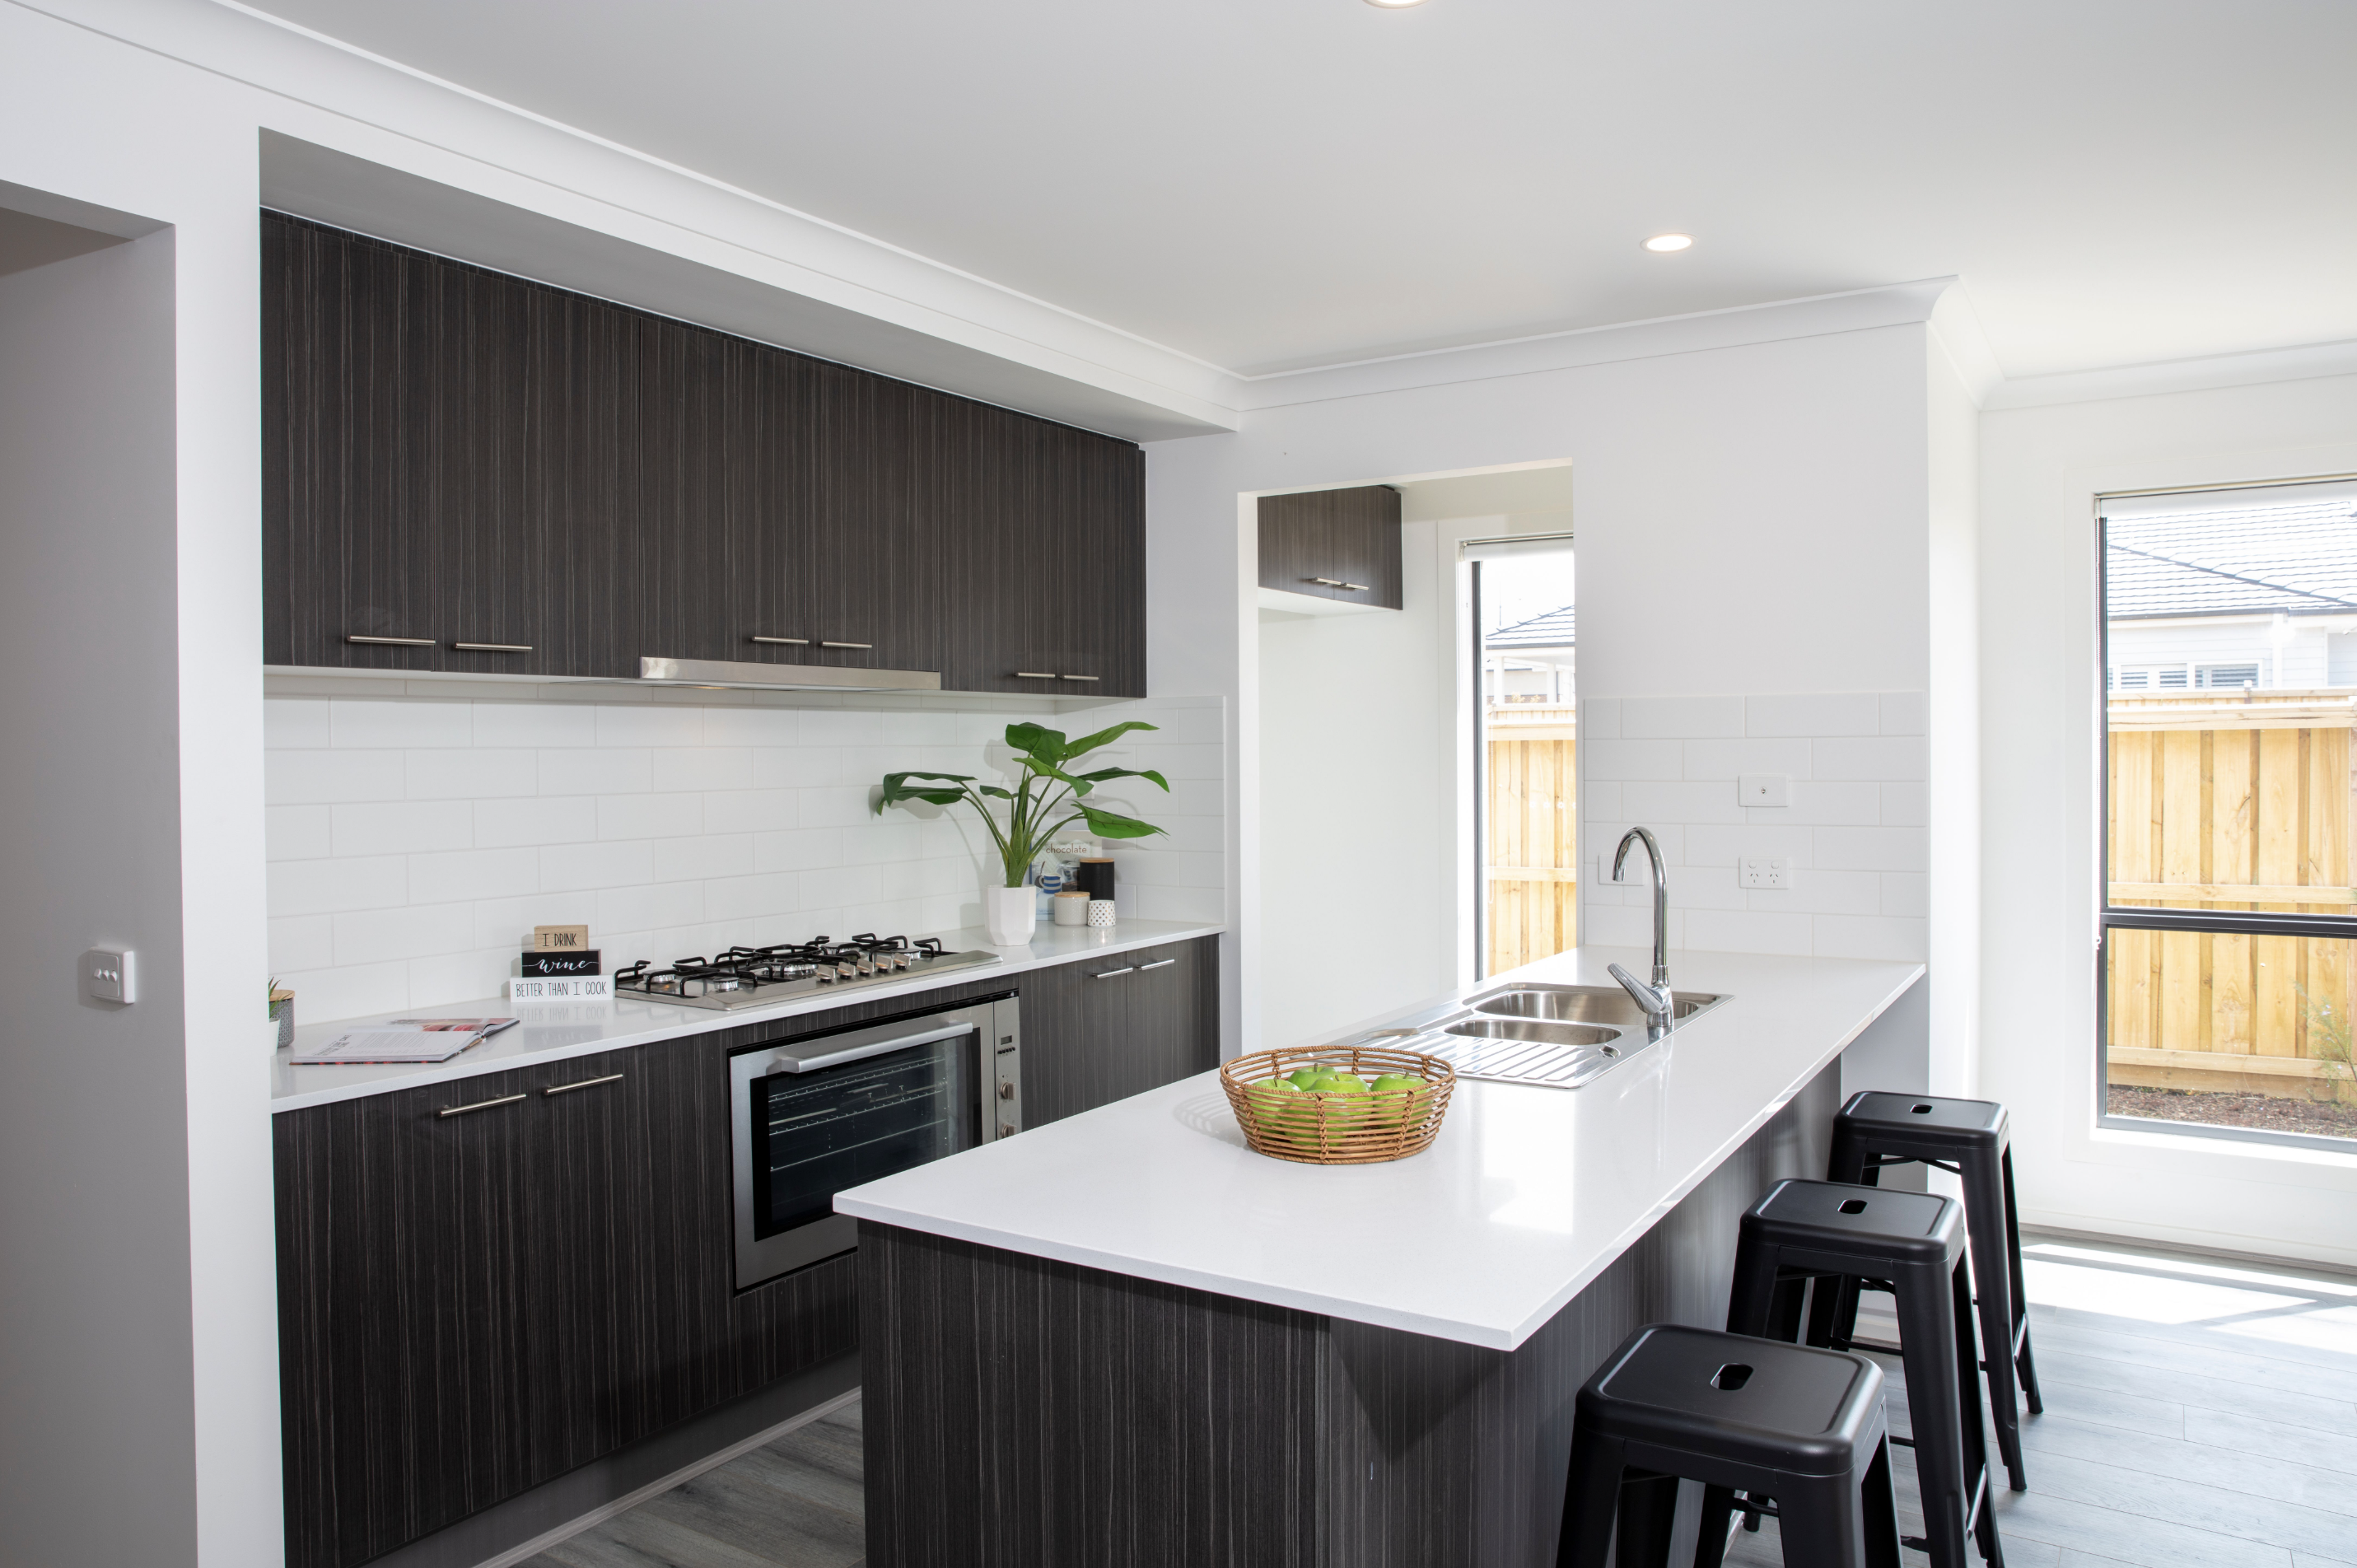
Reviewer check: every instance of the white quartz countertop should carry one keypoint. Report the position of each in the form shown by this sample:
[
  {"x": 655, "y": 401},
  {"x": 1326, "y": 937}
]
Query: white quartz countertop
[
  {"x": 1525, "y": 1197},
  {"x": 553, "y": 1031}
]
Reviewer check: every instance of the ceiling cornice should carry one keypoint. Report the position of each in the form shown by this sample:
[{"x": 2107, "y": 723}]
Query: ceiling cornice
[{"x": 2257, "y": 368}]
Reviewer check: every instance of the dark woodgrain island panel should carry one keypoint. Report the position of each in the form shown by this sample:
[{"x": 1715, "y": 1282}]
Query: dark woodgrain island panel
[{"x": 1023, "y": 1413}]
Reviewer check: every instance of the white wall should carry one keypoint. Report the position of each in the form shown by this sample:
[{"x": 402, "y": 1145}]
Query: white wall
[
  {"x": 418, "y": 830},
  {"x": 1355, "y": 715},
  {"x": 1753, "y": 517},
  {"x": 95, "y": 1365},
  {"x": 1953, "y": 799},
  {"x": 2040, "y": 469}
]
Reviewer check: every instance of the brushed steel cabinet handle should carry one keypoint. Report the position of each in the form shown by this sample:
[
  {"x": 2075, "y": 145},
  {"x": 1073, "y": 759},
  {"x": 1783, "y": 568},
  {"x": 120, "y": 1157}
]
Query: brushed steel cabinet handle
[
  {"x": 1035, "y": 674},
  {"x": 1109, "y": 973},
  {"x": 1080, "y": 677},
  {"x": 585, "y": 1084},
  {"x": 785, "y": 641},
  {"x": 1356, "y": 587},
  {"x": 492, "y": 647},
  {"x": 1338, "y": 583},
  {"x": 1157, "y": 963},
  {"x": 846, "y": 645},
  {"x": 393, "y": 641},
  {"x": 479, "y": 1105}
]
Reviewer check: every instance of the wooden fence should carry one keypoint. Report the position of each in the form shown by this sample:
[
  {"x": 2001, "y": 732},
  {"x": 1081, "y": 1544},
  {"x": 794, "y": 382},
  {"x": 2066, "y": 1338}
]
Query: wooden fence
[
  {"x": 2246, "y": 806},
  {"x": 1533, "y": 823}
]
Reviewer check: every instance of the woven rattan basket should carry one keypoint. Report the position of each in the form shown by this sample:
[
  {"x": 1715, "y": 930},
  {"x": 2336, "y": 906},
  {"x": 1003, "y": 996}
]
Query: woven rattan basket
[{"x": 1339, "y": 1129}]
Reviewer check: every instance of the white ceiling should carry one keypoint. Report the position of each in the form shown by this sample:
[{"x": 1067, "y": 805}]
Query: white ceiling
[{"x": 1272, "y": 184}]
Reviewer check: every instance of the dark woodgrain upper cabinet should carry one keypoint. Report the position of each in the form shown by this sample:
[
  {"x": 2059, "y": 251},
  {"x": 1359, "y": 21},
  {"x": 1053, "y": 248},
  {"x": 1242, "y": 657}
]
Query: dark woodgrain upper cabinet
[
  {"x": 1333, "y": 544},
  {"x": 472, "y": 472}
]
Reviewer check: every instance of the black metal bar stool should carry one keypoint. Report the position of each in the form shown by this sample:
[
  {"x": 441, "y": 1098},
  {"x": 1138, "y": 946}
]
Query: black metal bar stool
[
  {"x": 1803, "y": 1426},
  {"x": 1913, "y": 1245},
  {"x": 1969, "y": 1138}
]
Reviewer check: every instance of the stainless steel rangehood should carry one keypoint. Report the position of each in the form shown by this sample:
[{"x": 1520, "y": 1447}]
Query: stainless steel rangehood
[{"x": 783, "y": 677}]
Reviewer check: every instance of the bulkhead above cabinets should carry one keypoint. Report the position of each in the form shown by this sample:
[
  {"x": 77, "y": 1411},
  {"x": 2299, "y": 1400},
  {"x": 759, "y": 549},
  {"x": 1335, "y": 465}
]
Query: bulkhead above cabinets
[
  {"x": 1331, "y": 551},
  {"x": 468, "y": 473}
]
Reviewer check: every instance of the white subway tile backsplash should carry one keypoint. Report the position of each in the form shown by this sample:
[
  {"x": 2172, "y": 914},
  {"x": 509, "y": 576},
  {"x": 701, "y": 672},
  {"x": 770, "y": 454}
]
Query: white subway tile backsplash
[
  {"x": 1871, "y": 849},
  {"x": 1681, "y": 718},
  {"x": 408, "y": 827},
  {"x": 354, "y": 723},
  {"x": 1906, "y": 805},
  {"x": 702, "y": 768},
  {"x": 1620, "y": 759},
  {"x": 416, "y": 840},
  {"x": 535, "y": 726},
  {"x": 1881, "y": 758},
  {"x": 1816, "y": 803},
  {"x": 295, "y": 832},
  {"x": 469, "y": 873},
  {"x": 1814, "y": 714},
  {"x": 473, "y": 774},
  {"x": 1852, "y": 835},
  {"x": 290, "y": 777},
  {"x": 562, "y": 819},
  {"x": 1905, "y": 713},
  {"x": 1730, "y": 759},
  {"x": 650, "y": 725},
  {"x": 1866, "y": 936}
]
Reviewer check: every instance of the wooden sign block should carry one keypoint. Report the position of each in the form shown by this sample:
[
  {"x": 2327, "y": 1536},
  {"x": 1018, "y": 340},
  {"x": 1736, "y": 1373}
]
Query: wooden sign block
[{"x": 560, "y": 938}]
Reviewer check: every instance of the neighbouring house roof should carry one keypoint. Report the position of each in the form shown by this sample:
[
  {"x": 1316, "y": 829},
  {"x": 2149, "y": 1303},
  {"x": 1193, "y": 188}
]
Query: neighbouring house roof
[
  {"x": 1553, "y": 629},
  {"x": 2301, "y": 560}
]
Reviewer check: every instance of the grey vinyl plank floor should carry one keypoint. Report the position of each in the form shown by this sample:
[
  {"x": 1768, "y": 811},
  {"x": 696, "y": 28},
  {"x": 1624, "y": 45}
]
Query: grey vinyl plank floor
[
  {"x": 795, "y": 1502},
  {"x": 2198, "y": 1413}
]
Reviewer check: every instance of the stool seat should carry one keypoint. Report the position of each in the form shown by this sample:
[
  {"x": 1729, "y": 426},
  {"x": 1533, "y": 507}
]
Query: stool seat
[
  {"x": 1928, "y": 1118},
  {"x": 1972, "y": 1138},
  {"x": 1791, "y": 1408},
  {"x": 1837, "y": 1218},
  {"x": 1800, "y": 1432}
]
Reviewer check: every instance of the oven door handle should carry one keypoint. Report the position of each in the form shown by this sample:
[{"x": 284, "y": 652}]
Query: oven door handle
[{"x": 877, "y": 1048}]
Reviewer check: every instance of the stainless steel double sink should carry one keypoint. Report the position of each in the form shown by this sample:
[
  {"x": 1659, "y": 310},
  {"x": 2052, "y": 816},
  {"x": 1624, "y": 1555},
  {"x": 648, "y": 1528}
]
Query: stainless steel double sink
[{"x": 1557, "y": 1037}]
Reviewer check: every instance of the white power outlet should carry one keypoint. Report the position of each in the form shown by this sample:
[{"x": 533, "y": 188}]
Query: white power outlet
[
  {"x": 1765, "y": 870},
  {"x": 1763, "y": 790}
]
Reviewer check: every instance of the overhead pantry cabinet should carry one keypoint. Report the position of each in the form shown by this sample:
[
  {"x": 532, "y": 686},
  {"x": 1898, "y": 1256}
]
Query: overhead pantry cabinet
[
  {"x": 464, "y": 472},
  {"x": 1341, "y": 546}
]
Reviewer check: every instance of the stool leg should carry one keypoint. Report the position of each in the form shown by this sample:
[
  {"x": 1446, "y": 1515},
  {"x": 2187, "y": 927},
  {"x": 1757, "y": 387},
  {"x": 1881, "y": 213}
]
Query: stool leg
[
  {"x": 1649, "y": 1510},
  {"x": 1985, "y": 1223},
  {"x": 1833, "y": 1311},
  {"x": 2023, "y": 1364},
  {"x": 1928, "y": 1336},
  {"x": 1591, "y": 1496},
  {"x": 1881, "y": 1506},
  {"x": 1751, "y": 1296},
  {"x": 1710, "y": 1538},
  {"x": 1979, "y": 1480},
  {"x": 1784, "y": 1308},
  {"x": 1823, "y": 1521},
  {"x": 1848, "y": 1159}
]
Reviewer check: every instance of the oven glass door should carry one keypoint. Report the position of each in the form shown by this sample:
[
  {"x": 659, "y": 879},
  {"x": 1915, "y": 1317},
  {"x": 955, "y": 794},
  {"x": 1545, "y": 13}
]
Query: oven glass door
[
  {"x": 822, "y": 1132},
  {"x": 815, "y": 1116}
]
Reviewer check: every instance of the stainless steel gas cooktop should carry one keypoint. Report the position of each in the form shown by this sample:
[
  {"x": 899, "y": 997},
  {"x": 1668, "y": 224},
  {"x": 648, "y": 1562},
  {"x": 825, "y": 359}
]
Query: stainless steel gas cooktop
[{"x": 761, "y": 977}]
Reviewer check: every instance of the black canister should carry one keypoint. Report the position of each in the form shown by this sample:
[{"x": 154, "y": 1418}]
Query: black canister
[{"x": 1096, "y": 877}]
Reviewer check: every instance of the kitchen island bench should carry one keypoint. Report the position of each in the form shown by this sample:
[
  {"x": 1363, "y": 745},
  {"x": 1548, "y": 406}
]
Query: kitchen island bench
[{"x": 1126, "y": 1338}]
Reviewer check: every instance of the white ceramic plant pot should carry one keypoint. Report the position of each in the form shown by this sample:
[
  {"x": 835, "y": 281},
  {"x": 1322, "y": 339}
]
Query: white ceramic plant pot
[{"x": 1010, "y": 913}]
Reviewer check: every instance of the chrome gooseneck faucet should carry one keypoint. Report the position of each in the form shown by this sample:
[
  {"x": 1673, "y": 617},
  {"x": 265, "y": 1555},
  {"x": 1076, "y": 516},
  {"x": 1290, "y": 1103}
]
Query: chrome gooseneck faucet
[{"x": 1654, "y": 998}]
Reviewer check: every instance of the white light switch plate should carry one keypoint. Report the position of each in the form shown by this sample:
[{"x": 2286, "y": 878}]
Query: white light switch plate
[
  {"x": 109, "y": 975},
  {"x": 1763, "y": 790},
  {"x": 1765, "y": 870}
]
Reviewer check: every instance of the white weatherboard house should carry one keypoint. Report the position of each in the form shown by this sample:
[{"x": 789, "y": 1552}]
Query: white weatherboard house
[{"x": 2264, "y": 597}]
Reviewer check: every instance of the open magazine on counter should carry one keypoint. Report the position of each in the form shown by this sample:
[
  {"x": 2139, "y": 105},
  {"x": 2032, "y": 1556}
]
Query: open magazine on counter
[{"x": 402, "y": 1040}]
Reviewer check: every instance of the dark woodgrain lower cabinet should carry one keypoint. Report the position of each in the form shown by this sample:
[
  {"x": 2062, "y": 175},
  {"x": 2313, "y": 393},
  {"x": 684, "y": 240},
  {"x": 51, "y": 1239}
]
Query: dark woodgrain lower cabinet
[
  {"x": 1101, "y": 1029},
  {"x": 473, "y": 1305}
]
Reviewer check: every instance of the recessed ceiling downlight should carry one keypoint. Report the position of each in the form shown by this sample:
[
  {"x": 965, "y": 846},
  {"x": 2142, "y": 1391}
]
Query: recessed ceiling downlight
[
  {"x": 1662, "y": 244},
  {"x": 1394, "y": 5}
]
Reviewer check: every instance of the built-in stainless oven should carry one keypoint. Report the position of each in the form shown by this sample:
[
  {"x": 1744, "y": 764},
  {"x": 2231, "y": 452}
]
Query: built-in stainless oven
[{"x": 818, "y": 1114}]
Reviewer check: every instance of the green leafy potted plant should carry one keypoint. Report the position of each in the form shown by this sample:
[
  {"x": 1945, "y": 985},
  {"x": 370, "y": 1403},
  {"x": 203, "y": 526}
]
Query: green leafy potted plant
[{"x": 1047, "y": 796}]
